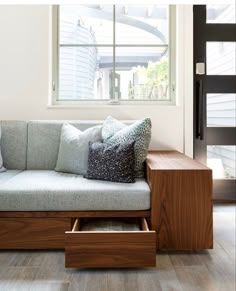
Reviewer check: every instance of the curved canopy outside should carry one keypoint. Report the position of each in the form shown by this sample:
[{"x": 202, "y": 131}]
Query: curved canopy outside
[{"x": 135, "y": 24}]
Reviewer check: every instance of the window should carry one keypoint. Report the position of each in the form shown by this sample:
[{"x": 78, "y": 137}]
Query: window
[{"x": 113, "y": 54}]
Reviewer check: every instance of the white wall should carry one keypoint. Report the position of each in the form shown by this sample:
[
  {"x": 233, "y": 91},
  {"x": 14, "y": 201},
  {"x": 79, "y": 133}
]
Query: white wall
[{"x": 25, "y": 78}]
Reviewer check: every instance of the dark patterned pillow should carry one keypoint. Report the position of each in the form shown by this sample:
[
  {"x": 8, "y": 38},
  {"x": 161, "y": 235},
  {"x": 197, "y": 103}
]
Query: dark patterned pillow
[{"x": 111, "y": 162}]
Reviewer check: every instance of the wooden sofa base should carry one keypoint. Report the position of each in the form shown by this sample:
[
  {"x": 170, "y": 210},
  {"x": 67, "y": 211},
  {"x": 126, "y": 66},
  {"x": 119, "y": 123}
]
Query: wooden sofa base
[{"x": 46, "y": 230}]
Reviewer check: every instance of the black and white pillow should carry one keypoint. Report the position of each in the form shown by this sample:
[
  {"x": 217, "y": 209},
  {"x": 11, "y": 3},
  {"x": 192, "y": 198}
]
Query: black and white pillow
[
  {"x": 114, "y": 131},
  {"x": 113, "y": 163}
]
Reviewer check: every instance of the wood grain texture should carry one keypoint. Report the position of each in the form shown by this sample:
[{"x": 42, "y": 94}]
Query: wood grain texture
[
  {"x": 33, "y": 233},
  {"x": 172, "y": 160},
  {"x": 46, "y": 230},
  {"x": 74, "y": 214},
  {"x": 181, "y": 199},
  {"x": 106, "y": 249},
  {"x": 175, "y": 270}
]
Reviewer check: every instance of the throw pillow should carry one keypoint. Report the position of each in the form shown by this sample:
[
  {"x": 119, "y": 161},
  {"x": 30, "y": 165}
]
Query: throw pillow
[
  {"x": 115, "y": 131},
  {"x": 73, "y": 149},
  {"x": 113, "y": 163},
  {"x": 2, "y": 169}
]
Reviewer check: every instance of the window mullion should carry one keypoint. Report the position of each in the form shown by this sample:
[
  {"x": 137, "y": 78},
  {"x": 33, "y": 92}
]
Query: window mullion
[{"x": 114, "y": 96}]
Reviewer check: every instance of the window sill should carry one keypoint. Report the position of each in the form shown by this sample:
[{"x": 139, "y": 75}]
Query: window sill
[
  {"x": 105, "y": 106},
  {"x": 85, "y": 104}
]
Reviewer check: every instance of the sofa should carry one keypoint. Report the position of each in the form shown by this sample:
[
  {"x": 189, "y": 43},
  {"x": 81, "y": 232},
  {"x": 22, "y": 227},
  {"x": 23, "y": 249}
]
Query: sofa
[
  {"x": 42, "y": 202},
  {"x": 43, "y": 209}
]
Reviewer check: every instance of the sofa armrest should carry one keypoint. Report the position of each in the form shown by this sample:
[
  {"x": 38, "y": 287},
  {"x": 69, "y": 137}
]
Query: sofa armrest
[
  {"x": 156, "y": 162},
  {"x": 151, "y": 168},
  {"x": 181, "y": 201}
]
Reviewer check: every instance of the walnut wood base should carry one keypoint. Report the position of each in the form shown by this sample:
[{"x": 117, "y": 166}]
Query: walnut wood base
[
  {"x": 46, "y": 230},
  {"x": 181, "y": 193},
  {"x": 33, "y": 233}
]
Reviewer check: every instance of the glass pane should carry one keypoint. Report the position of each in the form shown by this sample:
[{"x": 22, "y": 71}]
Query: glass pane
[
  {"x": 142, "y": 24},
  {"x": 221, "y": 58},
  {"x": 142, "y": 73},
  {"x": 85, "y": 73},
  {"x": 221, "y": 110},
  {"x": 221, "y": 14},
  {"x": 86, "y": 24},
  {"x": 222, "y": 160}
]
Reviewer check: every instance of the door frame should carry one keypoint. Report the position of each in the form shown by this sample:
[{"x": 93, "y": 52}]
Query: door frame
[{"x": 224, "y": 189}]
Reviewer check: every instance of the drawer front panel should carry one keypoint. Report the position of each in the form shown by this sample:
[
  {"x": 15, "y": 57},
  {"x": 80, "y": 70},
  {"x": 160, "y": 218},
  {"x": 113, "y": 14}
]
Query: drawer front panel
[
  {"x": 110, "y": 249},
  {"x": 33, "y": 233}
]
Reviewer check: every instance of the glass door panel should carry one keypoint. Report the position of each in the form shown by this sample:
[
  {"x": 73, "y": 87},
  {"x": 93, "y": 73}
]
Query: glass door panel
[
  {"x": 221, "y": 58},
  {"x": 221, "y": 110},
  {"x": 221, "y": 14},
  {"x": 222, "y": 160}
]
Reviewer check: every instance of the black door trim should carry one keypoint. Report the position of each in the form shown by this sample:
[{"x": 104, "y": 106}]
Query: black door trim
[
  {"x": 220, "y": 84},
  {"x": 221, "y": 136},
  {"x": 227, "y": 187},
  {"x": 225, "y": 32}
]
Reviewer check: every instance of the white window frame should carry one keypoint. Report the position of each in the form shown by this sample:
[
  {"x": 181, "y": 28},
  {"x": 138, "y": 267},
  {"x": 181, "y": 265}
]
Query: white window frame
[{"x": 54, "y": 83}]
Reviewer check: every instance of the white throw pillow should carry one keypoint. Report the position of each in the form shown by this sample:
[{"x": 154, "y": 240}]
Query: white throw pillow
[
  {"x": 73, "y": 150},
  {"x": 2, "y": 169}
]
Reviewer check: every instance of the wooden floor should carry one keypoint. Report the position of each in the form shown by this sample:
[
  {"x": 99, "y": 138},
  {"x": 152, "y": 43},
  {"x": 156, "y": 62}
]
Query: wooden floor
[{"x": 202, "y": 270}]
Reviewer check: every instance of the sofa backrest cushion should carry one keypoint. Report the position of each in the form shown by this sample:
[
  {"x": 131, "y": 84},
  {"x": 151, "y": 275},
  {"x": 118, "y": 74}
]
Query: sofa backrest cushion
[
  {"x": 14, "y": 144},
  {"x": 2, "y": 169},
  {"x": 44, "y": 140}
]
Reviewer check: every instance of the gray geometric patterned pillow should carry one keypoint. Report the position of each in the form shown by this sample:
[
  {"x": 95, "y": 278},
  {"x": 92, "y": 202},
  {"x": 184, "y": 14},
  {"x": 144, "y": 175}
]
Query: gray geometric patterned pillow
[
  {"x": 113, "y": 163},
  {"x": 110, "y": 127},
  {"x": 114, "y": 131}
]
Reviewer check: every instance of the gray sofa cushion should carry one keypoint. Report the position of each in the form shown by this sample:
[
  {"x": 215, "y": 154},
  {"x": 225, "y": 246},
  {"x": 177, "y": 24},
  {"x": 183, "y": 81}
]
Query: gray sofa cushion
[
  {"x": 53, "y": 191},
  {"x": 8, "y": 175},
  {"x": 74, "y": 147},
  {"x": 14, "y": 144},
  {"x": 2, "y": 169},
  {"x": 44, "y": 140}
]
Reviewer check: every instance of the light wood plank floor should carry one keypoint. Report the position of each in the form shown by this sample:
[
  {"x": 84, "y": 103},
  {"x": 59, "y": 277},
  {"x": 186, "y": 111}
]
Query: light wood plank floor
[{"x": 203, "y": 270}]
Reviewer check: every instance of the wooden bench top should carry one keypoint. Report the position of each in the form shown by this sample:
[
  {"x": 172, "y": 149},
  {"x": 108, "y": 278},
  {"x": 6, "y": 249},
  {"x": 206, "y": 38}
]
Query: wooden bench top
[{"x": 172, "y": 160}]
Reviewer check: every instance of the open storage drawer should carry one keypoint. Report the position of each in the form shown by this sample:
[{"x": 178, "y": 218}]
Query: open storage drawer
[{"x": 113, "y": 243}]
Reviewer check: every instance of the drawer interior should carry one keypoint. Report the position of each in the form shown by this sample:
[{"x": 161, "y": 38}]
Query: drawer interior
[{"x": 110, "y": 225}]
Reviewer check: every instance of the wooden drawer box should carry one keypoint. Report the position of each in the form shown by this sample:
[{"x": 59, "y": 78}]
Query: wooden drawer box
[{"x": 88, "y": 245}]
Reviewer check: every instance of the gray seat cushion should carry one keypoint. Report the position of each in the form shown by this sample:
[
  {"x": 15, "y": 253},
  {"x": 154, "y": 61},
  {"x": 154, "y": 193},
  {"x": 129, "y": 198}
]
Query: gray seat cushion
[
  {"x": 53, "y": 191},
  {"x": 5, "y": 176},
  {"x": 2, "y": 169}
]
